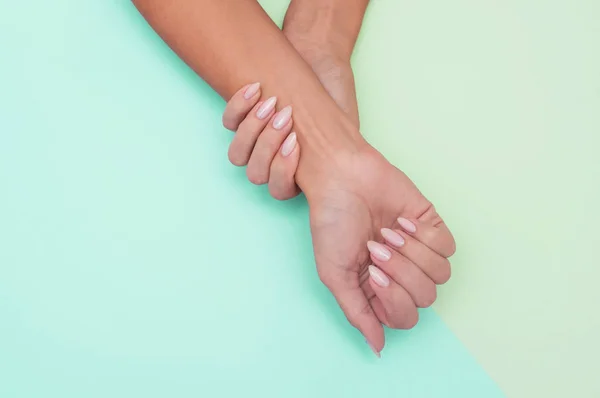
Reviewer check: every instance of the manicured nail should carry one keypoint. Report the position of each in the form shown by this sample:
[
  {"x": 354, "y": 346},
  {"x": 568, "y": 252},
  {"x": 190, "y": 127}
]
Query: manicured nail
[
  {"x": 379, "y": 251},
  {"x": 282, "y": 118},
  {"x": 373, "y": 348},
  {"x": 251, "y": 90},
  {"x": 378, "y": 276},
  {"x": 392, "y": 237},
  {"x": 407, "y": 225},
  {"x": 288, "y": 145},
  {"x": 265, "y": 109}
]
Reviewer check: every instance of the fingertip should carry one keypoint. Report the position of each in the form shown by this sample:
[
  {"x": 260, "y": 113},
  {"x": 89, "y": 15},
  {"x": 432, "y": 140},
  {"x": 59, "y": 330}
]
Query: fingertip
[
  {"x": 373, "y": 348},
  {"x": 375, "y": 339},
  {"x": 235, "y": 159},
  {"x": 255, "y": 176}
]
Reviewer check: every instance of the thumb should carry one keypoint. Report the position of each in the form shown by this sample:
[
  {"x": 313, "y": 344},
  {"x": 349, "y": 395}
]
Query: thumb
[{"x": 347, "y": 291}]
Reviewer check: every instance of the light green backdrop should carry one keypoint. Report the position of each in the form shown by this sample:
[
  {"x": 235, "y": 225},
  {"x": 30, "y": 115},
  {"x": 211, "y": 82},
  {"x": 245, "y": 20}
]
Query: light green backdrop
[
  {"x": 493, "y": 108},
  {"x": 136, "y": 261}
]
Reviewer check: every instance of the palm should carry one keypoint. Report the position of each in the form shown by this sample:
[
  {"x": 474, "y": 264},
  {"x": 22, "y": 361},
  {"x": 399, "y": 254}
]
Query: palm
[{"x": 359, "y": 199}]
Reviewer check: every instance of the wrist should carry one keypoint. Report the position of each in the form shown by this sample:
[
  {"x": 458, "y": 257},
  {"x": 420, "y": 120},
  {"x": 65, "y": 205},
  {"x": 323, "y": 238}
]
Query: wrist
[
  {"x": 324, "y": 27},
  {"x": 314, "y": 47},
  {"x": 326, "y": 143}
]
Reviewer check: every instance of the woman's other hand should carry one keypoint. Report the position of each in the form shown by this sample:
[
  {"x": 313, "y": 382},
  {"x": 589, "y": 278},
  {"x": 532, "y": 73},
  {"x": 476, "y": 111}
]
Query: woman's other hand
[{"x": 263, "y": 141}]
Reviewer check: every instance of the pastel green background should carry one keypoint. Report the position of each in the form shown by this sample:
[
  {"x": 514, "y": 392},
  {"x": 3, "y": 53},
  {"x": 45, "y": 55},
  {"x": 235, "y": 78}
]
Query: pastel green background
[{"x": 135, "y": 261}]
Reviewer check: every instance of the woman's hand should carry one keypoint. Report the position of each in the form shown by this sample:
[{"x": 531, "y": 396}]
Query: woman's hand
[
  {"x": 351, "y": 189},
  {"x": 380, "y": 267},
  {"x": 263, "y": 141},
  {"x": 355, "y": 201}
]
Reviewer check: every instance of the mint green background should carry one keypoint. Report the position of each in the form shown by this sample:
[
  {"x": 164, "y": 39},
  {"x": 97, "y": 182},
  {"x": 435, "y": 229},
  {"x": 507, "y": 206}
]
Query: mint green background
[{"x": 136, "y": 261}]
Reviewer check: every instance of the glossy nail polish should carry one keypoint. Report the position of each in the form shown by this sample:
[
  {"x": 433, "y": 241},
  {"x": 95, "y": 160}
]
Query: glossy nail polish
[
  {"x": 373, "y": 348},
  {"x": 266, "y": 108},
  {"x": 251, "y": 90},
  {"x": 379, "y": 251},
  {"x": 392, "y": 237},
  {"x": 406, "y": 225},
  {"x": 282, "y": 118},
  {"x": 378, "y": 276},
  {"x": 288, "y": 145}
]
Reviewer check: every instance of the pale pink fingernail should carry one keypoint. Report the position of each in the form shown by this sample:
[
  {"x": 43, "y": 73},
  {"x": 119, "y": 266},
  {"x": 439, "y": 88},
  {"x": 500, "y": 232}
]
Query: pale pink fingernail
[
  {"x": 378, "y": 276},
  {"x": 266, "y": 108},
  {"x": 282, "y": 118},
  {"x": 379, "y": 251},
  {"x": 251, "y": 90},
  {"x": 406, "y": 225},
  {"x": 392, "y": 237},
  {"x": 288, "y": 145},
  {"x": 372, "y": 347}
]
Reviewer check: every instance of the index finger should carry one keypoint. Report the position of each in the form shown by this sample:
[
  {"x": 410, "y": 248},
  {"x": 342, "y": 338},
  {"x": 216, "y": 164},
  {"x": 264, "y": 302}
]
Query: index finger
[
  {"x": 436, "y": 237},
  {"x": 239, "y": 105}
]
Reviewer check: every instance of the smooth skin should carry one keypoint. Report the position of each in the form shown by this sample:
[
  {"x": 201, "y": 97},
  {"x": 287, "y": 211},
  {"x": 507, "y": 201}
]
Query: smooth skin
[
  {"x": 324, "y": 34},
  {"x": 352, "y": 190},
  {"x": 403, "y": 259}
]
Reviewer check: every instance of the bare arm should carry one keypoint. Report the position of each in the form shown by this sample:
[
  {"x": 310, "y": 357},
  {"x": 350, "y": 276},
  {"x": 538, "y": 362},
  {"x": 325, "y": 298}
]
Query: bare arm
[
  {"x": 331, "y": 26},
  {"x": 324, "y": 34},
  {"x": 353, "y": 192},
  {"x": 230, "y": 43}
]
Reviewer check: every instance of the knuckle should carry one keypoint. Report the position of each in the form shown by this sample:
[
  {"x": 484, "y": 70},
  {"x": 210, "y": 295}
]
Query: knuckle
[
  {"x": 452, "y": 249},
  {"x": 444, "y": 273},
  {"x": 279, "y": 188},
  {"x": 411, "y": 320},
  {"x": 236, "y": 157},
  {"x": 427, "y": 298},
  {"x": 277, "y": 193},
  {"x": 430, "y": 234},
  {"x": 229, "y": 123},
  {"x": 406, "y": 320},
  {"x": 404, "y": 316},
  {"x": 255, "y": 177}
]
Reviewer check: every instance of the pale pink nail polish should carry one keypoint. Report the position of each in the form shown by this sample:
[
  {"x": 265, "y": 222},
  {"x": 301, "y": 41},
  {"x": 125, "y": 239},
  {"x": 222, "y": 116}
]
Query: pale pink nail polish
[
  {"x": 392, "y": 237},
  {"x": 251, "y": 90},
  {"x": 406, "y": 225},
  {"x": 372, "y": 347},
  {"x": 379, "y": 251},
  {"x": 288, "y": 145},
  {"x": 265, "y": 109},
  {"x": 378, "y": 276},
  {"x": 282, "y": 118}
]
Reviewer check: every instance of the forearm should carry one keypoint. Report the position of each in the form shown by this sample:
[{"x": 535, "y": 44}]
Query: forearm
[
  {"x": 329, "y": 25},
  {"x": 230, "y": 43}
]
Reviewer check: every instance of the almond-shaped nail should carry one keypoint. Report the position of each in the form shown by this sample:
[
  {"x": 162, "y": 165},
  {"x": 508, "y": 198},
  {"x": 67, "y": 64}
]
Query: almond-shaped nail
[
  {"x": 379, "y": 251},
  {"x": 378, "y": 276},
  {"x": 265, "y": 109},
  {"x": 251, "y": 90},
  {"x": 372, "y": 347},
  {"x": 282, "y": 118},
  {"x": 288, "y": 145},
  {"x": 406, "y": 225},
  {"x": 392, "y": 237}
]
